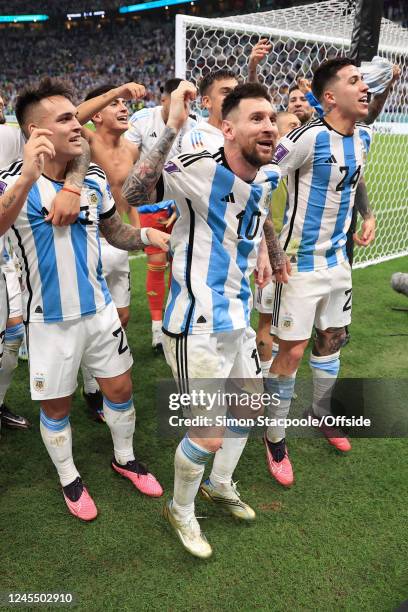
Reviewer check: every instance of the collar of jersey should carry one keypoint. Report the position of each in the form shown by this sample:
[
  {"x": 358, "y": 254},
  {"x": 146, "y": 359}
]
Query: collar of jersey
[
  {"x": 223, "y": 162},
  {"x": 330, "y": 127},
  {"x": 52, "y": 180}
]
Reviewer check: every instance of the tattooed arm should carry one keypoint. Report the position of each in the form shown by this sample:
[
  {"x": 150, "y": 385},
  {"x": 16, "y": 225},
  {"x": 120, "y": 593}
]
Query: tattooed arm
[
  {"x": 124, "y": 236},
  {"x": 362, "y": 205},
  {"x": 140, "y": 185},
  {"x": 281, "y": 267},
  {"x": 66, "y": 204},
  {"x": 12, "y": 202}
]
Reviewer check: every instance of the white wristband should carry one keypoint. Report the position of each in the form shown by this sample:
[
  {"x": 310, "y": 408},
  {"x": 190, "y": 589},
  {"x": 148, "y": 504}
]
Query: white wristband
[{"x": 143, "y": 235}]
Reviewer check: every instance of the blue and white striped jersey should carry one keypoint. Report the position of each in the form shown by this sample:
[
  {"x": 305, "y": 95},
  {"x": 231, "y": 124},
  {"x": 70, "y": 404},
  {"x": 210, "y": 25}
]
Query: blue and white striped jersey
[
  {"x": 61, "y": 266},
  {"x": 202, "y": 136},
  {"x": 215, "y": 241},
  {"x": 147, "y": 125},
  {"x": 323, "y": 168}
]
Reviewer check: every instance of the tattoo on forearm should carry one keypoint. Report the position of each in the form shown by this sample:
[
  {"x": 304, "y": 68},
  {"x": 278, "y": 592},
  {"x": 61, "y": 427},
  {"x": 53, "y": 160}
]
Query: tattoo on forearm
[
  {"x": 143, "y": 177},
  {"x": 78, "y": 167},
  {"x": 376, "y": 105},
  {"x": 6, "y": 202},
  {"x": 121, "y": 235},
  {"x": 276, "y": 253},
  {"x": 362, "y": 202}
]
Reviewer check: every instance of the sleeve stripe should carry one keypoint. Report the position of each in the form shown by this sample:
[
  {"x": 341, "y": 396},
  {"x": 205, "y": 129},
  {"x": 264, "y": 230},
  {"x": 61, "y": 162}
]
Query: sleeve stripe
[{"x": 109, "y": 213}]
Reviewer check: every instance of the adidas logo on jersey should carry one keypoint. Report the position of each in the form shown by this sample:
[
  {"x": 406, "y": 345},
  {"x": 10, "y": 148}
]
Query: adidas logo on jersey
[
  {"x": 153, "y": 135},
  {"x": 38, "y": 310},
  {"x": 229, "y": 198},
  {"x": 201, "y": 319},
  {"x": 331, "y": 160}
]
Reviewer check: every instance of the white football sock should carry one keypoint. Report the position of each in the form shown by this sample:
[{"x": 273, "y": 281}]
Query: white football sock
[
  {"x": 265, "y": 367},
  {"x": 227, "y": 457},
  {"x": 325, "y": 371},
  {"x": 121, "y": 420},
  {"x": 189, "y": 465},
  {"x": 280, "y": 389},
  {"x": 90, "y": 384},
  {"x": 56, "y": 435},
  {"x": 13, "y": 338}
]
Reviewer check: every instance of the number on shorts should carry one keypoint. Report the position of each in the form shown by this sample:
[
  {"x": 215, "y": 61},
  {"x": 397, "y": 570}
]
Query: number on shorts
[
  {"x": 119, "y": 332},
  {"x": 254, "y": 355},
  {"x": 347, "y": 305}
]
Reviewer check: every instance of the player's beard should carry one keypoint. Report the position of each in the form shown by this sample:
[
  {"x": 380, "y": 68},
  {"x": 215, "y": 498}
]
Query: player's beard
[
  {"x": 251, "y": 156},
  {"x": 2, "y": 118}
]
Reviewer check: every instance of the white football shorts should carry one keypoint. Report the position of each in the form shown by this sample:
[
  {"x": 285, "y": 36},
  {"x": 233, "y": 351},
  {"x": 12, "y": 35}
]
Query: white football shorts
[
  {"x": 115, "y": 264},
  {"x": 320, "y": 298},
  {"x": 57, "y": 350},
  {"x": 206, "y": 361},
  {"x": 264, "y": 298}
]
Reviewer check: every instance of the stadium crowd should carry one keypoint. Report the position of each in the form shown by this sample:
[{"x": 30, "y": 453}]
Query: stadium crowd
[
  {"x": 89, "y": 60},
  {"x": 91, "y": 53}
]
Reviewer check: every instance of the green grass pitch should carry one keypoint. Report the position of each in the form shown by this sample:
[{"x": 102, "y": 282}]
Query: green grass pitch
[{"x": 336, "y": 540}]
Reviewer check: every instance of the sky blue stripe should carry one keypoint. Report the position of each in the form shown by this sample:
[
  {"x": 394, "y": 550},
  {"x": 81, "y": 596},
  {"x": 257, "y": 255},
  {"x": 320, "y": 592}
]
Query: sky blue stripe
[
  {"x": 365, "y": 137},
  {"x": 117, "y": 406},
  {"x": 15, "y": 331},
  {"x": 338, "y": 232},
  {"x": 273, "y": 178},
  {"x": 245, "y": 246},
  {"x": 175, "y": 291},
  {"x": 53, "y": 424},
  {"x": 316, "y": 203},
  {"x": 331, "y": 367},
  {"x": 193, "y": 452},
  {"x": 43, "y": 234},
  {"x": 284, "y": 387},
  {"x": 219, "y": 258}
]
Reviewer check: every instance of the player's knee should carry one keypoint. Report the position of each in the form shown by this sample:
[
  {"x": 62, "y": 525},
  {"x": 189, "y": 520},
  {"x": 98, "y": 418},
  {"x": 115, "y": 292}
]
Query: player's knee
[
  {"x": 120, "y": 390},
  {"x": 212, "y": 444},
  {"x": 292, "y": 357},
  {"x": 329, "y": 341},
  {"x": 56, "y": 409}
]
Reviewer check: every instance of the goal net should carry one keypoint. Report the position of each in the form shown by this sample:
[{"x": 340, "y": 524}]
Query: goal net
[{"x": 301, "y": 38}]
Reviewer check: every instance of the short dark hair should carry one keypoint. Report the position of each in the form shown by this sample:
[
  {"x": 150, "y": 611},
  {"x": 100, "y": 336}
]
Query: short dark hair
[
  {"x": 99, "y": 91},
  {"x": 170, "y": 86},
  {"x": 33, "y": 94},
  {"x": 294, "y": 87},
  {"x": 242, "y": 92},
  {"x": 326, "y": 72},
  {"x": 211, "y": 77}
]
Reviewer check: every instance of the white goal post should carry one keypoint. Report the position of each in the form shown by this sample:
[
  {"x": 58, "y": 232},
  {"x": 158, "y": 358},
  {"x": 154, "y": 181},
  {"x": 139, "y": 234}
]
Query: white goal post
[{"x": 301, "y": 38}]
